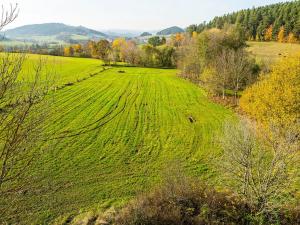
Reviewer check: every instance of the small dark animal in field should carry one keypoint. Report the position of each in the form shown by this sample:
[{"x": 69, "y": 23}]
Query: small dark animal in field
[
  {"x": 69, "y": 84},
  {"x": 192, "y": 120},
  {"x": 279, "y": 54},
  {"x": 121, "y": 71}
]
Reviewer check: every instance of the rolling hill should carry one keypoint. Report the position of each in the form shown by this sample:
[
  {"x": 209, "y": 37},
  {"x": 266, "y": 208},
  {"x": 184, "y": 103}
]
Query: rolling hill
[
  {"x": 48, "y": 32},
  {"x": 171, "y": 30}
]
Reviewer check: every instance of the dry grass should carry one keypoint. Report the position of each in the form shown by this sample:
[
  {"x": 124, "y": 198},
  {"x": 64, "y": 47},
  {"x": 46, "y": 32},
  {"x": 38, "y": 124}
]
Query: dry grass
[{"x": 270, "y": 51}]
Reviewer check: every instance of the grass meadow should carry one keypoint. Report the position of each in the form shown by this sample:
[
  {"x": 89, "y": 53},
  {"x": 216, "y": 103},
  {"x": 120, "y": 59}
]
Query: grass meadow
[
  {"x": 272, "y": 51},
  {"x": 112, "y": 134}
]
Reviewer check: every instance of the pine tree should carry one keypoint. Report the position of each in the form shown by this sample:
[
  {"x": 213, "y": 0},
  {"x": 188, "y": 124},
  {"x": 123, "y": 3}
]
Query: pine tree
[{"x": 256, "y": 21}]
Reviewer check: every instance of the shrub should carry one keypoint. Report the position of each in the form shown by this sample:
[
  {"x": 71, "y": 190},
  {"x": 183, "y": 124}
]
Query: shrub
[{"x": 186, "y": 203}]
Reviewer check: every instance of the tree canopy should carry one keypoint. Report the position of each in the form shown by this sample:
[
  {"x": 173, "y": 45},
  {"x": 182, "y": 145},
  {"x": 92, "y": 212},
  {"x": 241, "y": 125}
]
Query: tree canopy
[
  {"x": 262, "y": 23},
  {"x": 274, "y": 100}
]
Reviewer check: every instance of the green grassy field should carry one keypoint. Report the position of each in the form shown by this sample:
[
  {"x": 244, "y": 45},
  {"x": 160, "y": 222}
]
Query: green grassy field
[
  {"x": 270, "y": 51},
  {"x": 63, "y": 69},
  {"x": 113, "y": 135}
]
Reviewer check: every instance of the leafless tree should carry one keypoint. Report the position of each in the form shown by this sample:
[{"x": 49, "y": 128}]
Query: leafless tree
[
  {"x": 8, "y": 16},
  {"x": 22, "y": 111},
  {"x": 222, "y": 65},
  {"x": 130, "y": 52},
  {"x": 259, "y": 164},
  {"x": 233, "y": 71},
  {"x": 240, "y": 70}
]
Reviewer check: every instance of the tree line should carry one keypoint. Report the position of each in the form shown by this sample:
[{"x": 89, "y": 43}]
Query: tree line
[
  {"x": 156, "y": 53},
  {"x": 277, "y": 22}
]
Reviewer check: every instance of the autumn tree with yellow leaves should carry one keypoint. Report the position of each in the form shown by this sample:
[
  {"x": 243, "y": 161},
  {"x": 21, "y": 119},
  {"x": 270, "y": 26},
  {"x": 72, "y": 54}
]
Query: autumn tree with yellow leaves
[
  {"x": 281, "y": 35},
  {"x": 69, "y": 51},
  {"x": 117, "y": 46},
  {"x": 292, "y": 38},
  {"x": 269, "y": 33},
  {"x": 274, "y": 100}
]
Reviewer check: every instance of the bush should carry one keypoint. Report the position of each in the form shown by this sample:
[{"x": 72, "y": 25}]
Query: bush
[{"x": 187, "y": 203}]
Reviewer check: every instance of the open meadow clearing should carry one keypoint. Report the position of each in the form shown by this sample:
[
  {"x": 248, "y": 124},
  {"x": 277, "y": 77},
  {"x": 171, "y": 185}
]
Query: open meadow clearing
[
  {"x": 113, "y": 134},
  {"x": 272, "y": 51}
]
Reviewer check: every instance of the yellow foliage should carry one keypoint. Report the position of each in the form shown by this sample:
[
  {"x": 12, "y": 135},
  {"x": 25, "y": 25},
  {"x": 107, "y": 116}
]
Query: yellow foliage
[
  {"x": 209, "y": 79},
  {"x": 195, "y": 35},
  {"x": 292, "y": 38},
  {"x": 77, "y": 48},
  {"x": 281, "y": 36},
  {"x": 179, "y": 37},
  {"x": 214, "y": 30},
  {"x": 257, "y": 38},
  {"x": 275, "y": 99},
  {"x": 68, "y": 51},
  {"x": 269, "y": 33},
  {"x": 118, "y": 43}
]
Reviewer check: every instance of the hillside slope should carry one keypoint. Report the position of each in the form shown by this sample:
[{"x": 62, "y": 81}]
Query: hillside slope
[{"x": 114, "y": 133}]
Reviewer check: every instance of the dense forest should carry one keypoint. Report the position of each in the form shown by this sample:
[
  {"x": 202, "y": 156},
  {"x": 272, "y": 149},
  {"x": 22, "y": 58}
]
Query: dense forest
[{"x": 277, "y": 22}]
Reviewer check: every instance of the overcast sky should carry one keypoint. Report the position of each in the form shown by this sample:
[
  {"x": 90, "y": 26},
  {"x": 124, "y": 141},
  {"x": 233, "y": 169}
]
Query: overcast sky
[{"x": 127, "y": 14}]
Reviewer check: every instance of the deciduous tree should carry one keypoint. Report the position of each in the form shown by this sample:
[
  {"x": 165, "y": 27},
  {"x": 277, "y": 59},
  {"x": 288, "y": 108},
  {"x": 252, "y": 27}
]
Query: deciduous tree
[
  {"x": 274, "y": 99},
  {"x": 103, "y": 50},
  {"x": 22, "y": 113},
  {"x": 292, "y": 38},
  {"x": 69, "y": 51},
  {"x": 281, "y": 35},
  {"x": 258, "y": 167},
  {"x": 269, "y": 34}
]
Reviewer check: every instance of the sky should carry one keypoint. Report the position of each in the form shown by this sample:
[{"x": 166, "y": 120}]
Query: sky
[{"x": 126, "y": 14}]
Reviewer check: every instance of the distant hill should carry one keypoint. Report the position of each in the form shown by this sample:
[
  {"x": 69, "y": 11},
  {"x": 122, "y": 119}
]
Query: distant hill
[
  {"x": 126, "y": 33},
  {"x": 171, "y": 30},
  {"x": 53, "y": 31},
  {"x": 145, "y": 34}
]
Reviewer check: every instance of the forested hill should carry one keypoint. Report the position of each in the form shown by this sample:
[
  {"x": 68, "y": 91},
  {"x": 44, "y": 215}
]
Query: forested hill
[
  {"x": 274, "y": 22},
  {"x": 171, "y": 30},
  {"x": 51, "y": 29}
]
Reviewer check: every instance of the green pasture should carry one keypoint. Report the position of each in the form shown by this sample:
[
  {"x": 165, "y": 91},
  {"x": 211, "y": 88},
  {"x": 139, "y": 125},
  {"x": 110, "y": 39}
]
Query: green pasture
[{"x": 111, "y": 136}]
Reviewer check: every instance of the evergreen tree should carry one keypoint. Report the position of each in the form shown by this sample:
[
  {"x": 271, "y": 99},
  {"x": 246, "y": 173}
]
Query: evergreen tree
[{"x": 257, "y": 21}]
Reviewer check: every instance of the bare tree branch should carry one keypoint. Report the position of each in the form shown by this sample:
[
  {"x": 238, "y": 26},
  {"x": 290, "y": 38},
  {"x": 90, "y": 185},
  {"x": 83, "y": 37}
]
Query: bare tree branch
[{"x": 8, "y": 16}]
